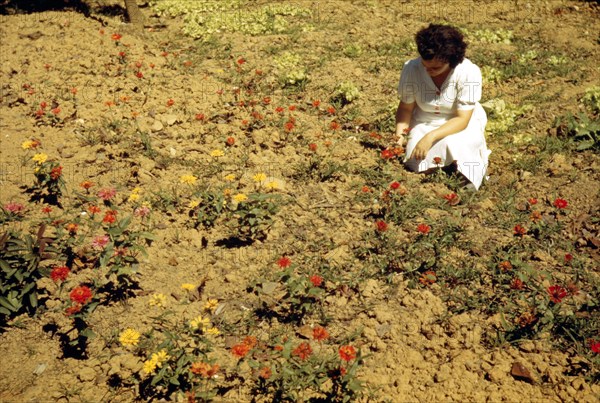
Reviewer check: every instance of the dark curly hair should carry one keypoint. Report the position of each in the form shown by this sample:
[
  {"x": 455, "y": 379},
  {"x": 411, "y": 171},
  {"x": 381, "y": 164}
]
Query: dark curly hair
[{"x": 442, "y": 42}]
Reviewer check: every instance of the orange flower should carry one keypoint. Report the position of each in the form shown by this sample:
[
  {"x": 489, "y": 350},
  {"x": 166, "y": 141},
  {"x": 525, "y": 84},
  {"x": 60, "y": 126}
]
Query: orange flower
[
  {"x": 347, "y": 353},
  {"x": 437, "y": 160},
  {"x": 517, "y": 284},
  {"x": 204, "y": 369},
  {"x": 452, "y": 199},
  {"x": 428, "y": 278},
  {"x": 505, "y": 265},
  {"x": 316, "y": 103},
  {"x": 116, "y": 37},
  {"x": 289, "y": 126},
  {"x": 536, "y": 216},
  {"x": 320, "y": 333},
  {"x": 240, "y": 350},
  {"x": 331, "y": 110},
  {"x": 230, "y": 141},
  {"x": 303, "y": 351},
  {"x": 94, "y": 210},
  {"x": 265, "y": 373},
  {"x": 170, "y": 102},
  {"x": 72, "y": 228},
  {"x": 250, "y": 341},
  {"x": 365, "y": 189},
  {"x": 312, "y": 147},
  {"x": 334, "y": 125},
  {"x": 316, "y": 280}
]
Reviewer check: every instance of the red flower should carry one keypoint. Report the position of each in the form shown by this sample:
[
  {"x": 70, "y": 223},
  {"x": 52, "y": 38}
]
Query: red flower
[
  {"x": 452, "y": 199},
  {"x": 437, "y": 160},
  {"x": 557, "y": 293},
  {"x": 110, "y": 217},
  {"x": 303, "y": 351},
  {"x": 289, "y": 126},
  {"x": 316, "y": 280},
  {"x": 519, "y": 230},
  {"x": 316, "y": 103},
  {"x": 139, "y": 74},
  {"x": 258, "y": 72},
  {"x": 560, "y": 203},
  {"x": 331, "y": 110},
  {"x": 381, "y": 225},
  {"x": 292, "y": 108},
  {"x": 568, "y": 257},
  {"x": 387, "y": 154},
  {"x": 240, "y": 350},
  {"x": 59, "y": 273},
  {"x": 56, "y": 110},
  {"x": 334, "y": 125},
  {"x": 82, "y": 295},
  {"x": 250, "y": 341},
  {"x": 312, "y": 147},
  {"x": 595, "y": 346},
  {"x": 200, "y": 116},
  {"x": 279, "y": 109},
  {"x": 423, "y": 229},
  {"x": 230, "y": 141},
  {"x": 116, "y": 37},
  {"x": 517, "y": 284},
  {"x": 374, "y": 135},
  {"x": 56, "y": 172},
  {"x": 284, "y": 262},
  {"x": 505, "y": 265},
  {"x": 394, "y": 185},
  {"x": 266, "y": 100},
  {"x": 43, "y": 104},
  {"x": 39, "y": 113},
  {"x": 46, "y": 209},
  {"x": 532, "y": 201},
  {"x": 241, "y": 61},
  {"x": 365, "y": 189},
  {"x": 428, "y": 278},
  {"x": 320, "y": 333},
  {"x": 72, "y": 310},
  {"x": 347, "y": 353},
  {"x": 170, "y": 102}
]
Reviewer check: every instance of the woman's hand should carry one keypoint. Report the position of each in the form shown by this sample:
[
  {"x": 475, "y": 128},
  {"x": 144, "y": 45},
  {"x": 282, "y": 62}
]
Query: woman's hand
[{"x": 423, "y": 146}]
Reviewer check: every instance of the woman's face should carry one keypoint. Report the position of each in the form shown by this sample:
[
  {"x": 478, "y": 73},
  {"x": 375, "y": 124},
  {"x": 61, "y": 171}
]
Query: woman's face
[{"x": 435, "y": 67}]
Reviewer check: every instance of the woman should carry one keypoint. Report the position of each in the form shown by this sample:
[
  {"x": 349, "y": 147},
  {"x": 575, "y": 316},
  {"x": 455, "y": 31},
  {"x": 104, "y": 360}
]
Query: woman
[{"x": 439, "y": 102}]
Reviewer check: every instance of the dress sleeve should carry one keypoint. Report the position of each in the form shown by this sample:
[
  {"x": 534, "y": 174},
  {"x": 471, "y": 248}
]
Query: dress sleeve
[
  {"x": 407, "y": 88},
  {"x": 469, "y": 88}
]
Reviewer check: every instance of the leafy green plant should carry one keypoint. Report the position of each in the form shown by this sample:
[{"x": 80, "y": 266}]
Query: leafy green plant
[
  {"x": 20, "y": 258},
  {"x": 585, "y": 131}
]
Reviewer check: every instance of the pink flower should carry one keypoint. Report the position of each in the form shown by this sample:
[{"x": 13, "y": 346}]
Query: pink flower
[
  {"x": 13, "y": 207},
  {"x": 100, "y": 242},
  {"x": 107, "y": 193},
  {"x": 142, "y": 211}
]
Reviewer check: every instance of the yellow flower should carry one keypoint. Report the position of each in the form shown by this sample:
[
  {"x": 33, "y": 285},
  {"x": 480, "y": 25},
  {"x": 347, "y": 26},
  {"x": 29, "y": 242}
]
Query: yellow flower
[
  {"x": 194, "y": 203},
  {"x": 259, "y": 177},
  {"x": 160, "y": 357},
  {"x": 188, "y": 286},
  {"x": 199, "y": 323},
  {"x": 226, "y": 192},
  {"x": 272, "y": 185},
  {"x": 129, "y": 337},
  {"x": 240, "y": 197},
  {"x": 40, "y": 158},
  {"x": 150, "y": 366},
  {"x": 133, "y": 197},
  {"x": 159, "y": 300},
  {"x": 229, "y": 178},
  {"x": 211, "y": 305},
  {"x": 29, "y": 144},
  {"x": 213, "y": 331},
  {"x": 188, "y": 179},
  {"x": 217, "y": 153}
]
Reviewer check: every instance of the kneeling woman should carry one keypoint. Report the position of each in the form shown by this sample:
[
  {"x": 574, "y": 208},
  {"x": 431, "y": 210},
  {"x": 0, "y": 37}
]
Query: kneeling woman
[{"x": 439, "y": 102}]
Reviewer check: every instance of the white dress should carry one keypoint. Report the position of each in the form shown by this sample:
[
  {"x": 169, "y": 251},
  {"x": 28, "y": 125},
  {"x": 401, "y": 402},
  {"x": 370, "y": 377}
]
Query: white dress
[{"x": 434, "y": 107}]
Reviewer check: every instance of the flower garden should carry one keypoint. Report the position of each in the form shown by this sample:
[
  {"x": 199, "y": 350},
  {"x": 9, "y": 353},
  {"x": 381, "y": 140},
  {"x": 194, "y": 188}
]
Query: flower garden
[{"x": 214, "y": 209}]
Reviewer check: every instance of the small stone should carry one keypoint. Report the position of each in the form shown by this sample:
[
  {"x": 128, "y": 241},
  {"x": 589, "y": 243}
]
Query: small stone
[
  {"x": 520, "y": 372},
  {"x": 527, "y": 346},
  {"x": 87, "y": 374},
  {"x": 157, "y": 126}
]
